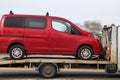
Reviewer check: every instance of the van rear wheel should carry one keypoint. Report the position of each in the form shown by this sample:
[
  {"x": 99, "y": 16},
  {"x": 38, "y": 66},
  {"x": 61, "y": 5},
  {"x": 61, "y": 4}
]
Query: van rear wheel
[
  {"x": 85, "y": 53},
  {"x": 17, "y": 52}
]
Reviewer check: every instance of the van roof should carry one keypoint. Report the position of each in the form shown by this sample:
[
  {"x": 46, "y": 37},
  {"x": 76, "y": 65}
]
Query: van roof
[{"x": 28, "y": 15}]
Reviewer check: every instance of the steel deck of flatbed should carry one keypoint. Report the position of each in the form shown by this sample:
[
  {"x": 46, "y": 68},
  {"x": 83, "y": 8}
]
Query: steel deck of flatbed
[{"x": 54, "y": 60}]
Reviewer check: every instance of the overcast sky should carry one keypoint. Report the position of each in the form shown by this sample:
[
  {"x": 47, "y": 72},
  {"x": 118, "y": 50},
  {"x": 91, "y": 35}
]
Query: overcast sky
[{"x": 77, "y": 11}]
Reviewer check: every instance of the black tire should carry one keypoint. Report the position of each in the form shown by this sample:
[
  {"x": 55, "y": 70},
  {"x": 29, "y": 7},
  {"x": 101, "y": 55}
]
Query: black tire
[
  {"x": 81, "y": 53},
  {"x": 48, "y": 70},
  {"x": 111, "y": 68},
  {"x": 19, "y": 49}
]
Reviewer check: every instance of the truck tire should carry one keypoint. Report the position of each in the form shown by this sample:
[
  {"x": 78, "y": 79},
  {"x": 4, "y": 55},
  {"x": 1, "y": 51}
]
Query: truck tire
[
  {"x": 85, "y": 53},
  {"x": 48, "y": 70},
  {"x": 111, "y": 68},
  {"x": 17, "y": 52}
]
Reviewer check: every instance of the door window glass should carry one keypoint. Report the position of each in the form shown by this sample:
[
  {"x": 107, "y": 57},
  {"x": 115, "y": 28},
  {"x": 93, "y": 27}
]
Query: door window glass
[{"x": 60, "y": 25}]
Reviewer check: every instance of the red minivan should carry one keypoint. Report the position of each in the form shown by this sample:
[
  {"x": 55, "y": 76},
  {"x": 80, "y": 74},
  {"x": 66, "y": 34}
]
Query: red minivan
[{"x": 22, "y": 35}]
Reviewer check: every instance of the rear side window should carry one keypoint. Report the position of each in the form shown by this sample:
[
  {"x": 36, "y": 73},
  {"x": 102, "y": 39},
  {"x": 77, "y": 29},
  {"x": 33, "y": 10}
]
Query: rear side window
[
  {"x": 17, "y": 22},
  {"x": 36, "y": 22}
]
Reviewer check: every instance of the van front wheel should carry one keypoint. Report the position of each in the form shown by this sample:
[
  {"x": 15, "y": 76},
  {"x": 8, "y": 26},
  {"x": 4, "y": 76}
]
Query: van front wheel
[
  {"x": 17, "y": 52},
  {"x": 85, "y": 53}
]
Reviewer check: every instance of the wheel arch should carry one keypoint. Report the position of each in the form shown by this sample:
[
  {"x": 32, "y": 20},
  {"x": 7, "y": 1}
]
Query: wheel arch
[{"x": 14, "y": 43}]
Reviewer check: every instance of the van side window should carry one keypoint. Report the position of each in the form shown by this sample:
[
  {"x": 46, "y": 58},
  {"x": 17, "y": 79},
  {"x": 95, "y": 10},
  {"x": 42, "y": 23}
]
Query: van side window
[
  {"x": 17, "y": 22},
  {"x": 36, "y": 22},
  {"x": 61, "y": 25}
]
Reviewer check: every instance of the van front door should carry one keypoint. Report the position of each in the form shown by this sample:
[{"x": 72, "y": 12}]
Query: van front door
[{"x": 62, "y": 41}]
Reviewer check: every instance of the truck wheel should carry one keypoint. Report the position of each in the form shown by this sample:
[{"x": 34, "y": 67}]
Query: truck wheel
[
  {"x": 48, "y": 70},
  {"x": 111, "y": 68},
  {"x": 17, "y": 52},
  {"x": 85, "y": 53}
]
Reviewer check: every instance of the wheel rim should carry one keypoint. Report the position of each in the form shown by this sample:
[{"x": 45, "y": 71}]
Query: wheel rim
[
  {"x": 17, "y": 52},
  {"x": 48, "y": 70},
  {"x": 85, "y": 53}
]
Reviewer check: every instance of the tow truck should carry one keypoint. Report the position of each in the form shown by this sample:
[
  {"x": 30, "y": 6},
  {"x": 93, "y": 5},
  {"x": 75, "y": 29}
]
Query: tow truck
[{"x": 48, "y": 67}]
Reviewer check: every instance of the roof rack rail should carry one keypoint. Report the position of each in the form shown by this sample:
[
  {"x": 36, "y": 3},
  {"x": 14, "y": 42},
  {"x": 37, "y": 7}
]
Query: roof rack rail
[
  {"x": 11, "y": 12},
  {"x": 47, "y": 14}
]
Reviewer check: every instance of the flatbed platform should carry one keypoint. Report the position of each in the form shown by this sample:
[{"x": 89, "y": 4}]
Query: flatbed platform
[
  {"x": 6, "y": 60},
  {"x": 61, "y": 70}
]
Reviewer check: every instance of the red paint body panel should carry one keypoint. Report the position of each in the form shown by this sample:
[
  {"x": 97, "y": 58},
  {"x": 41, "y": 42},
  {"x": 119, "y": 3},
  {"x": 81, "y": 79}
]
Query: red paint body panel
[{"x": 47, "y": 40}]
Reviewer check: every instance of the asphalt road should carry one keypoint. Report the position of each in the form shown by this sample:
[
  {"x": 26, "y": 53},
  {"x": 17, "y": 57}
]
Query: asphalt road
[{"x": 33, "y": 75}]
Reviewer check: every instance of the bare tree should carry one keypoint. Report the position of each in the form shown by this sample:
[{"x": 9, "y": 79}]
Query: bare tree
[{"x": 95, "y": 27}]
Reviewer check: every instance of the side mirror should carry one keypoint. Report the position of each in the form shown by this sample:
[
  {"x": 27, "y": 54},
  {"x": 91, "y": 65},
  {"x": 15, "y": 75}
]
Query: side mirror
[{"x": 75, "y": 31}]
